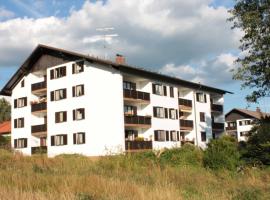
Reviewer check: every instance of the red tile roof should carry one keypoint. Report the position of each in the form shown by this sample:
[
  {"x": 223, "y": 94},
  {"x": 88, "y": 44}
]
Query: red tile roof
[{"x": 5, "y": 128}]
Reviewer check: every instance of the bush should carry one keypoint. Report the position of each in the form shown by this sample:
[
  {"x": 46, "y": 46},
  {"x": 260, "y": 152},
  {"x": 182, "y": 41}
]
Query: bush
[
  {"x": 222, "y": 154},
  {"x": 187, "y": 155}
]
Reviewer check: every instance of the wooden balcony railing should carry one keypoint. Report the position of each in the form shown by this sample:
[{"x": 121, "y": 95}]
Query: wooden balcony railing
[
  {"x": 186, "y": 124},
  {"x": 39, "y": 150},
  {"x": 133, "y": 94},
  {"x": 138, "y": 145},
  {"x": 185, "y": 102},
  {"x": 230, "y": 128},
  {"x": 38, "y": 86},
  {"x": 219, "y": 126},
  {"x": 217, "y": 108},
  {"x": 39, "y": 128},
  {"x": 39, "y": 107},
  {"x": 138, "y": 120}
]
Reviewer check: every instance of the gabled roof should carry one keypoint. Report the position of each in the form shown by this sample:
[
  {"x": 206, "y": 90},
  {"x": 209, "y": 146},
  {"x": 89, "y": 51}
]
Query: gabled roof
[
  {"x": 5, "y": 128},
  {"x": 69, "y": 55},
  {"x": 249, "y": 113}
]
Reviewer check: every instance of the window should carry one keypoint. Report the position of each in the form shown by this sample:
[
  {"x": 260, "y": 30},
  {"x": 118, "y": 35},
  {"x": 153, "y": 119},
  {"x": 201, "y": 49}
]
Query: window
[
  {"x": 202, "y": 117},
  {"x": 79, "y": 138},
  {"x": 174, "y": 136},
  {"x": 19, "y": 123},
  {"x": 20, "y": 143},
  {"x": 201, "y": 97},
  {"x": 203, "y": 136},
  {"x": 130, "y": 110},
  {"x": 160, "y": 112},
  {"x": 60, "y": 116},
  {"x": 77, "y": 67},
  {"x": 21, "y": 102},
  {"x": 58, "y": 72},
  {"x": 173, "y": 114},
  {"x": 58, "y": 94},
  {"x": 129, "y": 85},
  {"x": 243, "y": 133},
  {"x": 78, "y": 114},
  {"x": 43, "y": 141},
  {"x": 77, "y": 90},
  {"x": 159, "y": 89},
  {"x": 22, "y": 83},
  {"x": 171, "y": 92},
  {"x": 58, "y": 140},
  {"x": 160, "y": 135}
]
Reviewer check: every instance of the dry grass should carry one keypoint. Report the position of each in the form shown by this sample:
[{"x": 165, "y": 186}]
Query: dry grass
[{"x": 122, "y": 177}]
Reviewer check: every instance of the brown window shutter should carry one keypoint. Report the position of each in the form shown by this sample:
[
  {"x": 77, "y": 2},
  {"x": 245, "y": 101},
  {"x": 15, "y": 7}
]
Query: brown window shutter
[
  {"x": 176, "y": 113},
  {"x": 65, "y": 93},
  {"x": 154, "y": 88},
  {"x": 82, "y": 89},
  {"x": 52, "y": 95},
  {"x": 73, "y": 91},
  {"x": 52, "y": 74},
  {"x": 83, "y": 113},
  {"x": 64, "y": 71},
  {"x": 15, "y": 103},
  {"x": 15, "y": 143},
  {"x": 156, "y": 135},
  {"x": 65, "y": 116},
  {"x": 205, "y": 99},
  {"x": 65, "y": 139},
  {"x": 166, "y": 112},
  {"x": 167, "y": 136},
  {"x": 171, "y": 92},
  {"x": 22, "y": 122},
  {"x": 155, "y": 111},
  {"x": 170, "y": 113},
  {"x": 52, "y": 141},
  {"x": 83, "y": 138},
  {"x": 15, "y": 123},
  {"x": 197, "y": 96},
  {"x": 171, "y": 138},
  {"x": 73, "y": 68},
  {"x": 74, "y": 138},
  {"x": 56, "y": 117},
  {"x": 74, "y": 114},
  {"x": 178, "y": 138},
  {"x": 25, "y": 101},
  {"x": 165, "y": 90},
  {"x": 25, "y": 142}
]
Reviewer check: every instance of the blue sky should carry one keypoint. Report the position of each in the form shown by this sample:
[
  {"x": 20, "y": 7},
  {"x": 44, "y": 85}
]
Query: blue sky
[{"x": 188, "y": 39}]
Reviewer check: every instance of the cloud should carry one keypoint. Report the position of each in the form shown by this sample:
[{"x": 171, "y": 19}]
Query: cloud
[
  {"x": 5, "y": 14},
  {"x": 213, "y": 72},
  {"x": 151, "y": 33}
]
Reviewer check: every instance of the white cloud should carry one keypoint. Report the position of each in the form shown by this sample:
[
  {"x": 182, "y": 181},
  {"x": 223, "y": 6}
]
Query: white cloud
[
  {"x": 151, "y": 33},
  {"x": 5, "y": 14}
]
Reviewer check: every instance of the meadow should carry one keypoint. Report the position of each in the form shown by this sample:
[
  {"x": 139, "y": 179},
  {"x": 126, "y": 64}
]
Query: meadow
[{"x": 132, "y": 177}]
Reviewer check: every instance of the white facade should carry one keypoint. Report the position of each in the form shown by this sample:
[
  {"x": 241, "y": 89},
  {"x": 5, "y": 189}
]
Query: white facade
[{"x": 105, "y": 124}]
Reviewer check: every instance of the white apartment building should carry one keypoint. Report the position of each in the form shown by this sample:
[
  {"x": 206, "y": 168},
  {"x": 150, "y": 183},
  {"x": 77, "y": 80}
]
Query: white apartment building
[
  {"x": 66, "y": 103},
  {"x": 240, "y": 121}
]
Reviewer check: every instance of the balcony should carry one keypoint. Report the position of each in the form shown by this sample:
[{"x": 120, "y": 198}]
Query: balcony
[
  {"x": 138, "y": 121},
  {"x": 134, "y": 96},
  {"x": 185, "y": 105},
  {"x": 138, "y": 145},
  {"x": 186, "y": 125},
  {"x": 39, "y": 88},
  {"x": 231, "y": 128},
  {"x": 39, "y": 130},
  {"x": 39, "y": 150},
  {"x": 39, "y": 108},
  {"x": 217, "y": 108},
  {"x": 183, "y": 142},
  {"x": 218, "y": 126}
]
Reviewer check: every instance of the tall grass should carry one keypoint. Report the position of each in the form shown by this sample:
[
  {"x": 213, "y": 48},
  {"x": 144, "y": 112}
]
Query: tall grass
[{"x": 138, "y": 176}]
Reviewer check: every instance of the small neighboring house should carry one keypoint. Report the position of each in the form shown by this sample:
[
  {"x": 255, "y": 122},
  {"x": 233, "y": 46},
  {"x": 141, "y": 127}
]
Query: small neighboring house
[
  {"x": 240, "y": 121},
  {"x": 5, "y": 128}
]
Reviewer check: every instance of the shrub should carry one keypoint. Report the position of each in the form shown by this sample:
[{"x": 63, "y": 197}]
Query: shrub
[
  {"x": 222, "y": 154},
  {"x": 187, "y": 155}
]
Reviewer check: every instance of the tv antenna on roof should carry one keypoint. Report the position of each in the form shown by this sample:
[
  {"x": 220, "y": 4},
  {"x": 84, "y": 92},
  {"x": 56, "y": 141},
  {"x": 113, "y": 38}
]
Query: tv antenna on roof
[{"x": 106, "y": 36}]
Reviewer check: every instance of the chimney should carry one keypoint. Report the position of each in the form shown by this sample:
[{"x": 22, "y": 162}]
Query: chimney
[
  {"x": 258, "y": 109},
  {"x": 120, "y": 59}
]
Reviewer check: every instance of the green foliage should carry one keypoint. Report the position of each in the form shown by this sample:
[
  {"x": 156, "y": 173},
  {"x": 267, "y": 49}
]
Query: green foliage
[
  {"x": 257, "y": 148},
  {"x": 5, "y": 110},
  {"x": 187, "y": 155},
  {"x": 5, "y": 142},
  {"x": 253, "y": 17},
  {"x": 222, "y": 154},
  {"x": 247, "y": 194}
]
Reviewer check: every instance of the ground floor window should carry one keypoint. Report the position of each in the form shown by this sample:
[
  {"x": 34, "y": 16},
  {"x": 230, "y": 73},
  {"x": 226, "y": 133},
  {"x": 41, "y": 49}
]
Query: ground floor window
[
  {"x": 58, "y": 140},
  {"x": 131, "y": 135},
  {"x": 79, "y": 138},
  {"x": 160, "y": 135},
  {"x": 203, "y": 136},
  {"x": 20, "y": 143}
]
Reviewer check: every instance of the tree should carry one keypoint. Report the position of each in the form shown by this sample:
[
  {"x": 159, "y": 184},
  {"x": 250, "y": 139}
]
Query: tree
[
  {"x": 222, "y": 153},
  {"x": 5, "y": 110},
  {"x": 257, "y": 148},
  {"x": 253, "y": 17}
]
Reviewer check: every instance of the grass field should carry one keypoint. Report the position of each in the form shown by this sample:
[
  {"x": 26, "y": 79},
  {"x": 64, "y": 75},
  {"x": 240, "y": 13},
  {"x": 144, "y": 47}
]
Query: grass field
[{"x": 135, "y": 177}]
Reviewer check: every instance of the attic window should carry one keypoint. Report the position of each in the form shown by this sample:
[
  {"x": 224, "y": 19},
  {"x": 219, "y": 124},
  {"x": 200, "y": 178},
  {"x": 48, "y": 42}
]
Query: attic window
[{"x": 22, "y": 83}]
